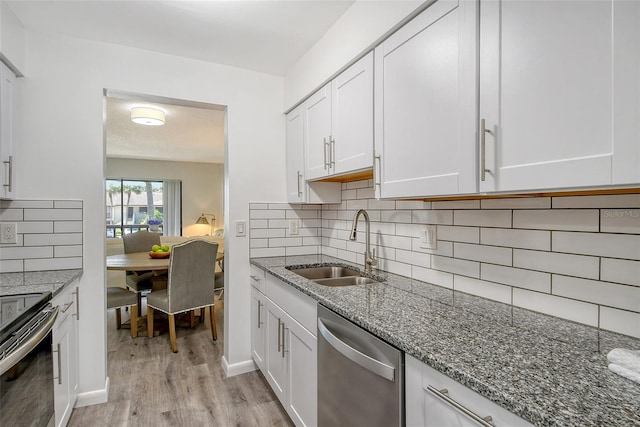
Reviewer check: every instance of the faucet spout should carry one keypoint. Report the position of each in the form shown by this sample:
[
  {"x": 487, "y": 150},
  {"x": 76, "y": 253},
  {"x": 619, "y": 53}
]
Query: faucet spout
[{"x": 369, "y": 256}]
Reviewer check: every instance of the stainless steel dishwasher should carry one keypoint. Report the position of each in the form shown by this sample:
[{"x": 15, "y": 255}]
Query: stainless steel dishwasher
[{"x": 360, "y": 377}]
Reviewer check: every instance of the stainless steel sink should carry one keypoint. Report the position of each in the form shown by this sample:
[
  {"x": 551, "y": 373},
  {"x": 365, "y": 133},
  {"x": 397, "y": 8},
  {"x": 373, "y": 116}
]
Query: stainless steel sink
[
  {"x": 345, "y": 281},
  {"x": 327, "y": 272}
]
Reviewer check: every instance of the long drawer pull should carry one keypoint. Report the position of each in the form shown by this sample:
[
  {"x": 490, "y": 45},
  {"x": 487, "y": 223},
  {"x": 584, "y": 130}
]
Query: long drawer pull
[
  {"x": 483, "y": 150},
  {"x": 444, "y": 396},
  {"x": 67, "y": 306}
]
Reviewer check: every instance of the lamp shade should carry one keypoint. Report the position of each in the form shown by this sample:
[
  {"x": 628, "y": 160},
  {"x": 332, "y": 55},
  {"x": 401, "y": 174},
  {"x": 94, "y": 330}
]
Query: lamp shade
[
  {"x": 202, "y": 220},
  {"x": 147, "y": 116}
]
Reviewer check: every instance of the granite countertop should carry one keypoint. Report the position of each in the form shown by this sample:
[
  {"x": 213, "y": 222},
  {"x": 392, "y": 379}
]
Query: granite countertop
[
  {"x": 549, "y": 371},
  {"x": 37, "y": 281}
]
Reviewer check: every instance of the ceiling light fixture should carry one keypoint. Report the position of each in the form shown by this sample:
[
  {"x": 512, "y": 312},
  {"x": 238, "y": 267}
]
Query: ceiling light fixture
[{"x": 147, "y": 116}]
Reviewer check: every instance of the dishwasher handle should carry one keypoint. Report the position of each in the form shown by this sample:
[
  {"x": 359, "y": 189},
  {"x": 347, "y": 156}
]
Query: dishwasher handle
[{"x": 377, "y": 367}]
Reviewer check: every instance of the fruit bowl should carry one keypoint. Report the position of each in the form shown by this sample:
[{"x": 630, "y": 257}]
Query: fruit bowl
[{"x": 159, "y": 254}]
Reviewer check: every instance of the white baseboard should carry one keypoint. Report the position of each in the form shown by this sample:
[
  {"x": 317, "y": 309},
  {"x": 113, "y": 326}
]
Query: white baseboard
[
  {"x": 238, "y": 368},
  {"x": 93, "y": 397}
]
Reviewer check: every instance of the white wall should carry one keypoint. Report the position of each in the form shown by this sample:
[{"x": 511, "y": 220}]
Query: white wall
[
  {"x": 61, "y": 155},
  {"x": 362, "y": 25},
  {"x": 202, "y": 186}
]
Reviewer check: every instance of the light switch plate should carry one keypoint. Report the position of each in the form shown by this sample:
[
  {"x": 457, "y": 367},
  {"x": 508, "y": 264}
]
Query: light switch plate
[
  {"x": 241, "y": 228},
  {"x": 294, "y": 227},
  {"x": 429, "y": 238}
]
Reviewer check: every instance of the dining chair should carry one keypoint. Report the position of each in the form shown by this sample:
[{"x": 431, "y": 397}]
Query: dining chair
[
  {"x": 118, "y": 298},
  {"x": 220, "y": 279},
  {"x": 190, "y": 286},
  {"x": 140, "y": 241}
]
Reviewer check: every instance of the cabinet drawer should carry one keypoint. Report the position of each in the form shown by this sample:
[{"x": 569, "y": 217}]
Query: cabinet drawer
[
  {"x": 256, "y": 278},
  {"x": 298, "y": 305}
]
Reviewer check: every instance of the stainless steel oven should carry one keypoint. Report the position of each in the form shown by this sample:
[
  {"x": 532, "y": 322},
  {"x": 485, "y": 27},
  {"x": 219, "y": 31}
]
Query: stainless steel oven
[{"x": 26, "y": 365}]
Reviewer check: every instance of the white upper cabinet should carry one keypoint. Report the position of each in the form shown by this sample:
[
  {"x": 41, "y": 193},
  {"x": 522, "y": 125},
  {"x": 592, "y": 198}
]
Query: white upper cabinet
[
  {"x": 7, "y": 167},
  {"x": 425, "y": 104},
  {"x": 338, "y": 135},
  {"x": 295, "y": 156},
  {"x": 559, "y": 94}
]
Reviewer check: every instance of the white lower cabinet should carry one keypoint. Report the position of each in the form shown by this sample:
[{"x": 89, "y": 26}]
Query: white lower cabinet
[
  {"x": 65, "y": 355},
  {"x": 433, "y": 399},
  {"x": 284, "y": 347}
]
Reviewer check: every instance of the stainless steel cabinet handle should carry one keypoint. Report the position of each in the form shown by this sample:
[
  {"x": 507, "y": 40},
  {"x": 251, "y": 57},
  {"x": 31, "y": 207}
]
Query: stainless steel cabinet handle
[
  {"x": 377, "y": 176},
  {"x": 67, "y": 306},
  {"x": 10, "y": 163},
  {"x": 59, "y": 364},
  {"x": 324, "y": 151},
  {"x": 279, "y": 334},
  {"x": 259, "y": 310},
  {"x": 77, "y": 294},
  {"x": 332, "y": 152},
  {"x": 483, "y": 151},
  {"x": 443, "y": 395},
  {"x": 255, "y": 278},
  {"x": 283, "y": 338},
  {"x": 299, "y": 186},
  {"x": 377, "y": 367}
]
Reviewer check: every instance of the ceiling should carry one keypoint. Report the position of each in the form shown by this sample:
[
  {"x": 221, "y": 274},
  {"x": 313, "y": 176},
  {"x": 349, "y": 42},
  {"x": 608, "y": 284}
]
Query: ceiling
[{"x": 261, "y": 35}]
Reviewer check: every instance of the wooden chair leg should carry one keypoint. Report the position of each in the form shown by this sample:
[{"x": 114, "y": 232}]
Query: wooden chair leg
[
  {"x": 149, "y": 321},
  {"x": 134, "y": 321},
  {"x": 172, "y": 333},
  {"x": 118, "y": 318},
  {"x": 192, "y": 319},
  {"x": 214, "y": 329},
  {"x": 139, "y": 295}
]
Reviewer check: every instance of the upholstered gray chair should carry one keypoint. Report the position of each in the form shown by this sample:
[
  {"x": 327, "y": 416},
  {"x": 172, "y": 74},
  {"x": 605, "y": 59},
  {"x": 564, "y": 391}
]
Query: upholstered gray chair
[
  {"x": 190, "y": 286},
  {"x": 141, "y": 241},
  {"x": 118, "y": 298}
]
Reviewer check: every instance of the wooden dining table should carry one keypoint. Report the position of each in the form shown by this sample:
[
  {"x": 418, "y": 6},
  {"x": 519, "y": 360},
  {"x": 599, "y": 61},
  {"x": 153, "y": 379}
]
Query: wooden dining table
[{"x": 142, "y": 261}]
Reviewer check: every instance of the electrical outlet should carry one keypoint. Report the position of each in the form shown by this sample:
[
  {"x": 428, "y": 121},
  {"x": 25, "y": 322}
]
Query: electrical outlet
[
  {"x": 294, "y": 227},
  {"x": 8, "y": 232},
  {"x": 429, "y": 238}
]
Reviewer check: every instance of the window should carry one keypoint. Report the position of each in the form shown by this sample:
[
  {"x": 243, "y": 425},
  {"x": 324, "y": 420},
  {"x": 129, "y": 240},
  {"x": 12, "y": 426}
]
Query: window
[{"x": 140, "y": 205}]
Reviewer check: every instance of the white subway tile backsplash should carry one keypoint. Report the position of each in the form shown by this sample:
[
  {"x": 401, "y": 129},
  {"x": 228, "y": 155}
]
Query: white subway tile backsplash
[
  {"x": 261, "y": 233},
  {"x": 365, "y": 193},
  {"x": 458, "y": 234},
  {"x": 620, "y": 271},
  {"x": 53, "y": 214},
  {"x": 67, "y": 251},
  {"x": 288, "y": 241},
  {"x": 625, "y": 246},
  {"x": 53, "y": 239},
  {"x": 517, "y": 277},
  {"x": 456, "y": 204},
  {"x": 620, "y": 221},
  {"x": 11, "y": 215},
  {"x": 67, "y": 226},
  {"x": 38, "y": 227},
  {"x": 443, "y": 248},
  {"x": 523, "y": 239},
  {"x": 573, "y": 265},
  {"x": 258, "y": 243},
  {"x": 349, "y": 194},
  {"x": 381, "y": 227},
  {"x": 258, "y": 223},
  {"x": 443, "y": 217},
  {"x": 456, "y": 266},
  {"x": 363, "y": 183},
  {"x": 620, "y": 321},
  {"x": 11, "y": 265},
  {"x": 490, "y": 254},
  {"x": 552, "y": 305},
  {"x": 52, "y": 264},
  {"x": 610, "y": 294},
  {"x": 302, "y": 250},
  {"x": 604, "y": 201},
  {"x": 396, "y": 216},
  {"x": 292, "y": 214},
  {"x": 20, "y": 204},
  {"x": 381, "y": 204},
  {"x": 412, "y": 204},
  {"x": 311, "y": 240},
  {"x": 409, "y": 230},
  {"x": 493, "y": 291},
  {"x": 266, "y": 214},
  {"x": 253, "y": 206},
  {"x": 517, "y": 203},
  {"x": 398, "y": 242},
  {"x": 435, "y": 277},
  {"x": 355, "y": 205},
  {"x": 266, "y": 252},
  {"x": 67, "y": 204},
  {"x": 557, "y": 219},
  {"x": 21, "y": 252},
  {"x": 397, "y": 268},
  {"x": 489, "y": 218},
  {"x": 413, "y": 258}
]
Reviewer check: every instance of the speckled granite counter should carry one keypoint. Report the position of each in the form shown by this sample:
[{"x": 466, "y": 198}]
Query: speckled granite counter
[
  {"x": 546, "y": 370},
  {"x": 37, "y": 281}
]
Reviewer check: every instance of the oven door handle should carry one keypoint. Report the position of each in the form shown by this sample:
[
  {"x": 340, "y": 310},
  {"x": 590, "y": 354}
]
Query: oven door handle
[
  {"x": 31, "y": 341},
  {"x": 368, "y": 363}
]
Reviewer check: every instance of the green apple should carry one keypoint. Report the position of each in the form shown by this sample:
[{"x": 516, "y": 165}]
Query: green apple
[
  {"x": 165, "y": 248},
  {"x": 155, "y": 248}
]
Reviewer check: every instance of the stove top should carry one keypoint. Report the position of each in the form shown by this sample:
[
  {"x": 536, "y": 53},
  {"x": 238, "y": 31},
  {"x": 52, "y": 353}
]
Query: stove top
[{"x": 16, "y": 310}]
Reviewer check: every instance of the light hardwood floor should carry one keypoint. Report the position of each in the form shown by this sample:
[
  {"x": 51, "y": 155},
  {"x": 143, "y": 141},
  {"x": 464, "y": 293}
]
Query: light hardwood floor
[{"x": 151, "y": 386}]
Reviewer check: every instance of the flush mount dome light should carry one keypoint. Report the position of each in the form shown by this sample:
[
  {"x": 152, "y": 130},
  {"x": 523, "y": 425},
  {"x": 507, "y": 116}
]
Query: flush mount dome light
[{"x": 147, "y": 116}]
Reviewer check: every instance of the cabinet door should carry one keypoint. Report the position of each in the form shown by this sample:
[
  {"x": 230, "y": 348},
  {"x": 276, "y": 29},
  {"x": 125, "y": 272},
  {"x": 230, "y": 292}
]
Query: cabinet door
[
  {"x": 7, "y": 167},
  {"x": 352, "y": 117},
  {"x": 258, "y": 328},
  {"x": 276, "y": 362},
  {"x": 301, "y": 350},
  {"x": 317, "y": 133},
  {"x": 62, "y": 346},
  {"x": 295, "y": 157},
  {"x": 559, "y": 88},
  {"x": 425, "y": 104}
]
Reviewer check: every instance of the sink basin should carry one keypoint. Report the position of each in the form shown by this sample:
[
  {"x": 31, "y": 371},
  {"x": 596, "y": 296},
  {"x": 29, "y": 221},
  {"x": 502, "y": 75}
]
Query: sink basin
[
  {"x": 327, "y": 272},
  {"x": 345, "y": 281}
]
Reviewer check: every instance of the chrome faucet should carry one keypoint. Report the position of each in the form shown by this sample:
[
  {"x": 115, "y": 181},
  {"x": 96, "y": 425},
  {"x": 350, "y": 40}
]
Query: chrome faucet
[{"x": 369, "y": 257}]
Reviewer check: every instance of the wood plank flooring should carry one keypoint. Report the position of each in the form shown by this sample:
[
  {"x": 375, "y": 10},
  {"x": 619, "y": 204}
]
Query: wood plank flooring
[{"x": 151, "y": 386}]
